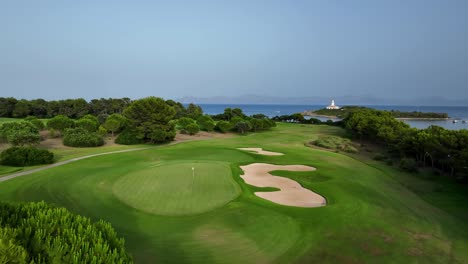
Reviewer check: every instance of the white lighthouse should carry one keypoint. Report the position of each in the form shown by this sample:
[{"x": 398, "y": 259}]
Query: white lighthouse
[{"x": 332, "y": 105}]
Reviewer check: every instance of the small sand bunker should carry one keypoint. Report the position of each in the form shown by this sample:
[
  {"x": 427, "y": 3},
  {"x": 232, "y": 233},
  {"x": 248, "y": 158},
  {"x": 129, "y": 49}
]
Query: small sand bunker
[
  {"x": 291, "y": 193},
  {"x": 262, "y": 152}
]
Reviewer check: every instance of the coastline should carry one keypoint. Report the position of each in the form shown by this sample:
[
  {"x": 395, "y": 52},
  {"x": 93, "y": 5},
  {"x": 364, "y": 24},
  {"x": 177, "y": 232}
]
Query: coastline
[
  {"x": 312, "y": 114},
  {"x": 423, "y": 118}
]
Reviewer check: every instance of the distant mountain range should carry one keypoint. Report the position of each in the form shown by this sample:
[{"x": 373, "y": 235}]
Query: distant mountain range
[{"x": 314, "y": 100}]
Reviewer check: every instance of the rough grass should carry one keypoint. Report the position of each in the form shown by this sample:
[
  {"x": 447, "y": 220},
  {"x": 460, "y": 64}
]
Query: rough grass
[
  {"x": 172, "y": 188},
  {"x": 335, "y": 143},
  {"x": 373, "y": 213}
]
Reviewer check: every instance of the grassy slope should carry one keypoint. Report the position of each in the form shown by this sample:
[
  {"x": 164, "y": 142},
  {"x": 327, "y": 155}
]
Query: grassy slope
[{"x": 370, "y": 216}]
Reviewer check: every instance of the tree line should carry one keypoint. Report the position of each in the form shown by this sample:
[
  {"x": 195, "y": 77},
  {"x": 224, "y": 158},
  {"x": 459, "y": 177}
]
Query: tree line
[
  {"x": 73, "y": 108},
  {"x": 435, "y": 147},
  {"x": 346, "y": 110},
  {"x": 149, "y": 120}
]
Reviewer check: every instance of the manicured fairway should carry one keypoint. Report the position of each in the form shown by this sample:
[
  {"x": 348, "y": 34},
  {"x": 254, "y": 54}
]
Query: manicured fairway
[
  {"x": 174, "y": 188},
  {"x": 370, "y": 216}
]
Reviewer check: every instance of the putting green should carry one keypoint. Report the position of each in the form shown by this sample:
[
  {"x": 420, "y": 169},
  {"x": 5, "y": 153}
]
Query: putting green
[{"x": 173, "y": 188}]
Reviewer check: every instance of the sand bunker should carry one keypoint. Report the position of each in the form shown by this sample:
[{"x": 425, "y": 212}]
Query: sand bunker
[
  {"x": 262, "y": 152},
  {"x": 291, "y": 193}
]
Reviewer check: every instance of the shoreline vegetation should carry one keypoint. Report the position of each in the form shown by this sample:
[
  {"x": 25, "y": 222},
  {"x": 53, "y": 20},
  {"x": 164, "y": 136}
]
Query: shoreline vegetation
[{"x": 399, "y": 115}]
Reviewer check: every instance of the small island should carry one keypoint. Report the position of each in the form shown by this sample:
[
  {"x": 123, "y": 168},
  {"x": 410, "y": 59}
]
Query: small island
[{"x": 333, "y": 111}]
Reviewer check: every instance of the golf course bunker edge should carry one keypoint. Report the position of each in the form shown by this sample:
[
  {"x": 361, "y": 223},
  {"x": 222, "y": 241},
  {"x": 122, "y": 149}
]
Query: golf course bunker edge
[
  {"x": 291, "y": 193},
  {"x": 260, "y": 151}
]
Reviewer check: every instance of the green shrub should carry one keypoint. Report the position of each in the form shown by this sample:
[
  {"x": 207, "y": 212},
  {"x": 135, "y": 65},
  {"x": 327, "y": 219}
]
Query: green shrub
[
  {"x": 79, "y": 137},
  {"x": 36, "y": 122},
  {"x": 25, "y": 156},
  {"x": 60, "y": 123},
  {"x": 115, "y": 123},
  {"x": 223, "y": 126},
  {"x": 88, "y": 124},
  {"x": 38, "y": 233},
  {"x": 102, "y": 131},
  {"x": 242, "y": 126},
  {"x": 184, "y": 121},
  {"x": 129, "y": 137},
  {"x": 162, "y": 133},
  {"x": 192, "y": 129},
  {"x": 19, "y": 133},
  {"x": 206, "y": 123}
]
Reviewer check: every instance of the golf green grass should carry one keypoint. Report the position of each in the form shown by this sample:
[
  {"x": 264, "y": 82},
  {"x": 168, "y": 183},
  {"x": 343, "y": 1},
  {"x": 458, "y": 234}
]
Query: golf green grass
[
  {"x": 374, "y": 213},
  {"x": 178, "y": 188}
]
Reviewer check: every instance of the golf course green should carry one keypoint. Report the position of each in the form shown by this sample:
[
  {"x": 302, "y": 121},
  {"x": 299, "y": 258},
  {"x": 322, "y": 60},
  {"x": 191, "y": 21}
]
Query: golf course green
[
  {"x": 169, "y": 213},
  {"x": 178, "y": 188}
]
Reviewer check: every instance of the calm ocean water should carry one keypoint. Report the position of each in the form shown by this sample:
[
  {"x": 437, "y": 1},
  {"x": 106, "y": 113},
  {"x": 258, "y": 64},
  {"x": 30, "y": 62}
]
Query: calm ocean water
[{"x": 455, "y": 112}]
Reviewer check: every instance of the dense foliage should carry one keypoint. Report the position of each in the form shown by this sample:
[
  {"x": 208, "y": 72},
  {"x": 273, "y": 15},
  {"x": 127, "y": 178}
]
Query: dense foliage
[
  {"x": 223, "y": 126},
  {"x": 25, "y": 156},
  {"x": 446, "y": 150},
  {"x": 87, "y": 124},
  {"x": 19, "y": 133},
  {"x": 149, "y": 118},
  {"x": 36, "y": 122},
  {"x": 192, "y": 129},
  {"x": 206, "y": 123},
  {"x": 60, "y": 123},
  {"x": 115, "y": 123},
  {"x": 80, "y": 137},
  {"x": 129, "y": 137},
  {"x": 73, "y": 108},
  {"x": 187, "y": 126},
  {"x": 346, "y": 110},
  {"x": 296, "y": 118},
  {"x": 38, "y": 233}
]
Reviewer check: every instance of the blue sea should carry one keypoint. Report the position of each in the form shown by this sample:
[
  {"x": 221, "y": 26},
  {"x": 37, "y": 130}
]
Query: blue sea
[{"x": 458, "y": 113}]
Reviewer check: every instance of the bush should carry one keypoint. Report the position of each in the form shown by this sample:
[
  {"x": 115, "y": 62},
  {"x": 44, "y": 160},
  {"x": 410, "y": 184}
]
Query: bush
[
  {"x": 20, "y": 133},
  {"x": 184, "y": 121},
  {"x": 115, "y": 123},
  {"x": 60, "y": 123},
  {"x": 129, "y": 137},
  {"x": 335, "y": 143},
  {"x": 206, "y": 123},
  {"x": 38, "y": 233},
  {"x": 26, "y": 156},
  {"x": 102, "y": 131},
  {"x": 192, "y": 129},
  {"x": 408, "y": 165},
  {"x": 88, "y": 124},
  {"x": 242, "y": 126},
  {"x": 79, "y": 137},
  {"x": 162, "y": 133},
  {"x": 223, "y": 126},
  {"x": 36, "y": 122}
]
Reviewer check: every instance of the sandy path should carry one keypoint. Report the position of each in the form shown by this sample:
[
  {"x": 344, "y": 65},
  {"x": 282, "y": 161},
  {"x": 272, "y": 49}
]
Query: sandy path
[
  {"x": 262, "y": 152},
  {"x": 291, "y": 193}
]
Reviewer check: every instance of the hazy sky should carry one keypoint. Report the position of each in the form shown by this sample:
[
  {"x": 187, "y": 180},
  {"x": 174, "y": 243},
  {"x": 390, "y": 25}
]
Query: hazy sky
[{"x": 91, "y": 49}]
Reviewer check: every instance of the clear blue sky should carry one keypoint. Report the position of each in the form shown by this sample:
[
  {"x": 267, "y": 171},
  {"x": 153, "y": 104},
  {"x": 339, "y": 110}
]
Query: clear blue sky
[{"x": 91, "y": 49}]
